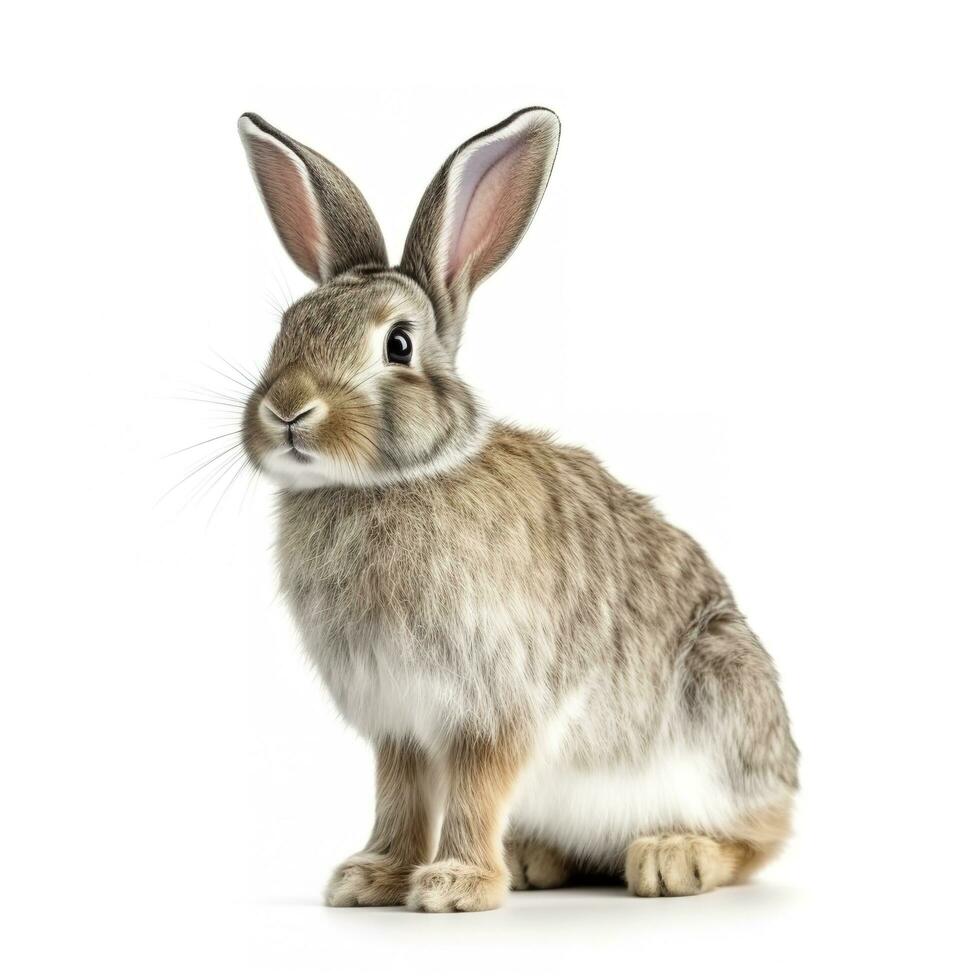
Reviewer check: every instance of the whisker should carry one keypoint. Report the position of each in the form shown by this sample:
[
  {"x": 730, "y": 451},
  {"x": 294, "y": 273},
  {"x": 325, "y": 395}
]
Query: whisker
[
  {"x": 229, "y": 396},
  {"x": 228, "y": 377},
  {"x": 228, "y": 486},
  {"x": 207, "y": 401},
  {"x": 274, "y": 304},
  {"x": 287, "y": 300},
  {"x": 252, "y": 379},
  {"x": 198, "y": 469},
  {"x": 355, "y": 410},
  {"x": 249, "y": 487},
  {"x": 222, "y": 435},
  {"x": 362, "y": 434},
  {"x": 349, "y": 389},
  {"x": 210, "y": 480},
  {"x": 350, "y": 458},
  {"x": 383, "y": 455}
]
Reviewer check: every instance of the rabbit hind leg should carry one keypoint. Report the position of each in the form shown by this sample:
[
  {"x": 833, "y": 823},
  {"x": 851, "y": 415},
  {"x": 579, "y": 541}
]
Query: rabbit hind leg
[
  {"x": 689, "y": 864},
  {"x": 535, "y": 865}
]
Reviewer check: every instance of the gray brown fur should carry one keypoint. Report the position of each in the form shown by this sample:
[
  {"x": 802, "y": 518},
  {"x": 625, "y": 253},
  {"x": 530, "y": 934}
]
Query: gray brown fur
[{"x": 494, "y": 610}]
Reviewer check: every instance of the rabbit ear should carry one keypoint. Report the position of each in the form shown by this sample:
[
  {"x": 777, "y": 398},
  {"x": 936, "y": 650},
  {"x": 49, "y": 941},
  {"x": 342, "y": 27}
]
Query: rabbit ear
[
  {"x": 476, "y": 210},
  {"x": 320, "y": 216}
]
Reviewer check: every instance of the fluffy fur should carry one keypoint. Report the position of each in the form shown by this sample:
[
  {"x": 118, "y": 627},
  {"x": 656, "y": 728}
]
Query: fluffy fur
[{"x": 531, "y": 648}]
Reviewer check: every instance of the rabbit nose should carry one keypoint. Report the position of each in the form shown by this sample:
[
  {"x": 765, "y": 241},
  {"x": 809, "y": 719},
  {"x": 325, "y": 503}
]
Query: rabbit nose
[{"x": 311, "y": 412}]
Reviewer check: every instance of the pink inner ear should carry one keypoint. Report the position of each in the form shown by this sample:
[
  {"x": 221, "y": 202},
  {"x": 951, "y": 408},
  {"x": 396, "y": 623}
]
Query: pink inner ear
[
  {"x": 291, "y": 206},
  {"x": 483, "y": 214}
]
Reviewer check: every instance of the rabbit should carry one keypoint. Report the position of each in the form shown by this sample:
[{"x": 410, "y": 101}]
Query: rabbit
[{"x": 554, "y": 679}]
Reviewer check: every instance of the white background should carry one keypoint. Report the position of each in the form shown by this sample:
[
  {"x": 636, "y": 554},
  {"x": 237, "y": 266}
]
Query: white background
[{"x": 751, "y": 289}]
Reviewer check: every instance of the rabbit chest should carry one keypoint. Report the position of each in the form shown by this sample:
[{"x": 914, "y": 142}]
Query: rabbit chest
[{"x": 418, "y": 620}]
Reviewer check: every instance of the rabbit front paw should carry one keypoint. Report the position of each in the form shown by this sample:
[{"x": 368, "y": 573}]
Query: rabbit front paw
[
  {"x": 369, "y": 879},
  {"x": 451, "y": 886}
]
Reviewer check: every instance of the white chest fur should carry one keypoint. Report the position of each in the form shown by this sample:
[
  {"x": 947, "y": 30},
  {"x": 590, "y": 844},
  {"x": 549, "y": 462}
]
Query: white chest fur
[{"x": 387, "y": 684}]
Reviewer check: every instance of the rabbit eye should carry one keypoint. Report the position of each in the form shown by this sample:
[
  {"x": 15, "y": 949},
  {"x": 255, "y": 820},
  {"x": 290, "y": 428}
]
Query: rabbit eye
[{"x": 398, "y": 346}]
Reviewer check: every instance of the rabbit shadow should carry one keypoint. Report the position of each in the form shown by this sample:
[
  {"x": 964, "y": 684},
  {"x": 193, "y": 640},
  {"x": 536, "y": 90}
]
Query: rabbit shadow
[{"x": 587, "y": 902}]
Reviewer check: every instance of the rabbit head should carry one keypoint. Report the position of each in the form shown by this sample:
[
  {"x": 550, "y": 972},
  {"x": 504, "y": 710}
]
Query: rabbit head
[{"x": 361, "y": 387}]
